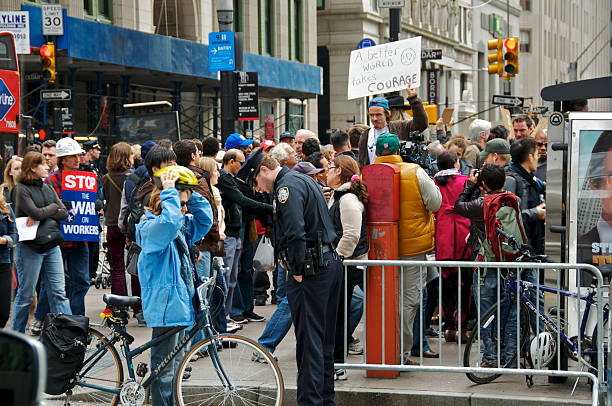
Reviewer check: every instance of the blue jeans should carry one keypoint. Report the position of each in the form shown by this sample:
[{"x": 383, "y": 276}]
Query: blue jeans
[
  {"x": 29, "y": 265},
  {"x": 356, "y": 310},
  {"x": 231, "y": 260},
  {"x": 280, "y": 322},
  {"x": 488, "y": 298},
  {"x": 161, "y": 388},
  {"x": 202, "y": 269},
  {"x": 76, "y": 265},
  {"x": 416, "y": 328},
  {"x": 242, "y": 301}
]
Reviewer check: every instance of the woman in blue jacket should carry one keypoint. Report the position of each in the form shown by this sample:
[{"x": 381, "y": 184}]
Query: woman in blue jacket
[
  {"x": 8, "y": 239},
  {"x": 165, "y": 267}
]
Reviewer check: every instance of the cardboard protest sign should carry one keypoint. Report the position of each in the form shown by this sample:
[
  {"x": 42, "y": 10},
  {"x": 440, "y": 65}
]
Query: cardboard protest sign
[
  {"x": 80, "y": 189},
  {"x": 507, "y": 120},
  {"x": 447, "y": 115},
  {"x": 385, "y": 68},
  {"x": 543, "y": 123}
]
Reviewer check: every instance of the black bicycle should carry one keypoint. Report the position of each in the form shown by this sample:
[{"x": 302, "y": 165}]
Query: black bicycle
[{"x": 230, "y": 369}]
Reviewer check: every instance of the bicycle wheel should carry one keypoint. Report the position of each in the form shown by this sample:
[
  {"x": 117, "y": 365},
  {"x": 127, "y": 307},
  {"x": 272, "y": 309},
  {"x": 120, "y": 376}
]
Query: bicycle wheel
[
  {"x": 103, "y": 370},
  {"x": 252, "y": 382},
  {"x": 473, "y": 353},
  {"x": 594, "y": 361}
]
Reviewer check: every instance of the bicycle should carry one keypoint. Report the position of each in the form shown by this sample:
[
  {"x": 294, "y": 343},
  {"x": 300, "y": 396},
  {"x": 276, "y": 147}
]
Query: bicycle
[
  {"x": 581, "y": 348},
  {"x": 225, "y": 371}
]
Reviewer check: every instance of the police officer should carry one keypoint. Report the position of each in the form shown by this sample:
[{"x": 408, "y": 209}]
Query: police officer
[{"x": 303, "y": 234}]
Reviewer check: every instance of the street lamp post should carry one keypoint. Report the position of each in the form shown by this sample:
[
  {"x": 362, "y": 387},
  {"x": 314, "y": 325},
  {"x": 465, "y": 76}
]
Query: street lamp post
[{"x": 225, "y": 17}]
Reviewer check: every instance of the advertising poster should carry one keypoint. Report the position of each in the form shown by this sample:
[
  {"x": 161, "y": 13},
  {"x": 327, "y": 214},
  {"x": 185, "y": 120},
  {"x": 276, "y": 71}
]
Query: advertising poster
[
  {"x": 594, "y": 204},
  {"x": 80, "y": 189}
]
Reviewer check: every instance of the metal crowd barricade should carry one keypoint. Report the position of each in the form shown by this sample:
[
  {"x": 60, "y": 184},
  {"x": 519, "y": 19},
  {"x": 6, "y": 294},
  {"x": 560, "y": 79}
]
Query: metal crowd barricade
[{"x": 501, "y": 269}]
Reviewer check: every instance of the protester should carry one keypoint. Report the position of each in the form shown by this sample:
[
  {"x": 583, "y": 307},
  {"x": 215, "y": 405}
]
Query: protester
[
  {"x": 238, "y": 141},
  {"x": 285, "y": 155},
  {"x": 48, "y": 150},
  {"x": 300, "y": 137},
  {"x": 479, "y": 134},
  {"x": 310, "y": 146},
  {"x": 11, "y": 174},
  {"x": 287, "y": 138},
  {"x": 38, "y": 202},
  {"x": 8, "y": 240},
  {"x": 342, "y": 144},
  {"x": 210, "y": 147},
  {"x": 318, "y": 160},
  {"x": 118, "y": 164},
  {"x": 347, "y": 211},
  {"x": 458, "y": 146},
  {"x": 165, "y": 267},
  {"x": 523, "y": 126},
  {"x": 541, "y": 139},
  {"x": 450, "y": 235}
]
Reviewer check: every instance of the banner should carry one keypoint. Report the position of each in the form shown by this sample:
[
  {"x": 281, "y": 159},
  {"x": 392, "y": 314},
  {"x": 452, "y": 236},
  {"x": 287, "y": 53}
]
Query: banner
[
  {"x": 80, "y": 189},
  {"x": 385, "y": 68}
]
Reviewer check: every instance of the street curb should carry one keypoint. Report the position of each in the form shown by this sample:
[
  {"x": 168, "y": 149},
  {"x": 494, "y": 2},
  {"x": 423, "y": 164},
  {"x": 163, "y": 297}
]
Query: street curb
[{"x": 388, "y": 397}]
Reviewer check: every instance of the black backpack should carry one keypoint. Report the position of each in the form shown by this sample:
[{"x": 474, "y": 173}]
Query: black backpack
[
  {"x": 135, "y": 209},
  {"x": 65, "y": 339}
]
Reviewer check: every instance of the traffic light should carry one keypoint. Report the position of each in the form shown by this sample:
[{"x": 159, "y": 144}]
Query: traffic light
[
  {"x": 511, "y": 56},
  {"x": 496, "y": 59},
  {"x": 47, "y": 52}
]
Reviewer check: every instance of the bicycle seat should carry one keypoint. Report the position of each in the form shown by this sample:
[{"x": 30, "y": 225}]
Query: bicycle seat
[{"x": 120, "y": 301}]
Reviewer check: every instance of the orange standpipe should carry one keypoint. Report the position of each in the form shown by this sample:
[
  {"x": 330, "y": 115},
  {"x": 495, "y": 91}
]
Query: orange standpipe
[{"x": 383, "y": 212}]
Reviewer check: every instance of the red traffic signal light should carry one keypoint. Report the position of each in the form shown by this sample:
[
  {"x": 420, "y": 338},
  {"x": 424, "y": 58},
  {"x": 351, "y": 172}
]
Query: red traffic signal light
[
  {"x": 511, "y": 46},
  {"x": 47, "y": 52}
]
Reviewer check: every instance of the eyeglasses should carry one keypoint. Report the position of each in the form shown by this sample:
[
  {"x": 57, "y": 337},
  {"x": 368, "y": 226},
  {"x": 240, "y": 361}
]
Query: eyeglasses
[
  {"x": 183, "y": 203},
  {"x": 542, "y": 144}
]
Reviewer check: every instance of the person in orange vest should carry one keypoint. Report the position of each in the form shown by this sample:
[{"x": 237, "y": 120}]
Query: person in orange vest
[{"x": 419, "y": 198}]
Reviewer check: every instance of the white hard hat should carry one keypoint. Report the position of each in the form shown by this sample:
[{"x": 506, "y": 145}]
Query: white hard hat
[
  {"x": 67, "y": 146},
  {"x": 543, "y": 349}
]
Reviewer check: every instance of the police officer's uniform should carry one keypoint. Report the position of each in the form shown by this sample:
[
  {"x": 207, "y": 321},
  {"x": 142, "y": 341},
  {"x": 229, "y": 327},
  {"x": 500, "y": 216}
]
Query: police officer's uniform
[{"x": 303, "y": 236}]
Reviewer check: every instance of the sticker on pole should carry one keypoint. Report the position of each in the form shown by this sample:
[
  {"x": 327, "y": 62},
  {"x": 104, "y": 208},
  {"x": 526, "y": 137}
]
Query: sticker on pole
[
  {"x": 80, "y": 189},
  {"x": 385, "y": 68}
]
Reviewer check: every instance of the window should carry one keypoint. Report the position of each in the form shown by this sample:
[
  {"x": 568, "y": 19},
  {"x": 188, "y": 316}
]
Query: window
[
  {"x": 525, "y": 41},
  {"x": 320, "y": 4},
  {"x": 266, "y": 27},
  {"x": 99, "y": 10},
  {"x": 295, "y": 30},
  {"x": 238, "y": 16},
  {"x": 39, "y": 2},
  {"x": 526, "y": 5},
  {"x": 295, "y": 115}
]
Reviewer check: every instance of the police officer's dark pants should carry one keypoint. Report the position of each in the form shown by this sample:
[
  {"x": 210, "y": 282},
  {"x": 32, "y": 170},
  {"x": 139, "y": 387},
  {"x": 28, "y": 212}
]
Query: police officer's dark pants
[{"x": 314, "y": 304}]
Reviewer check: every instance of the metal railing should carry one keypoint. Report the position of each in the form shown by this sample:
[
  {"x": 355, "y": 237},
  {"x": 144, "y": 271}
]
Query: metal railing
[{"x": 587, "y": 352}]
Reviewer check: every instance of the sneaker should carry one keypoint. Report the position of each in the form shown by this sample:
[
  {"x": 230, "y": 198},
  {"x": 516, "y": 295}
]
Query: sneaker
[
  {"x": 141, "y": 319},
  {"x": 340, "y": 375},
  {"x": 259, "y": 358},
  {"x": 36, "y": 327},
  {"x": 251, "y": 316},
  {"x": 355, "y": 348},
  {"x": 238, "y": 319},
  {"x": 233, "y": 327}
]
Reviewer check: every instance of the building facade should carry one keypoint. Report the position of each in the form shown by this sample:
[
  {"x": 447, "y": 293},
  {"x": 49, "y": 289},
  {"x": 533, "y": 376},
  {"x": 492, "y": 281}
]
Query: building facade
[
  {"x": 555, "y": 33},
  {"x": 115, "y": 52}
]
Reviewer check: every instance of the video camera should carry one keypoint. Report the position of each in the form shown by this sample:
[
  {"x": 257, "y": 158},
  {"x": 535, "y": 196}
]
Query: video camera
[{"x": 414, "y": 150}]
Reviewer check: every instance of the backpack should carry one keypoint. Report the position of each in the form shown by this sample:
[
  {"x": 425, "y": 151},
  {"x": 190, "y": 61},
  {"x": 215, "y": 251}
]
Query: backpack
[
  {"x": 65, "y": 339},
  {"x": 501, "y": 210},
  {"x": 135, "y": 209}
]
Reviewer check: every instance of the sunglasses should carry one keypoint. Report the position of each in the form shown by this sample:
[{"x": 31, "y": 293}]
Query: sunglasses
[
  {"x": 183, "y": 204},
  {"x": 542, "y": 144}
]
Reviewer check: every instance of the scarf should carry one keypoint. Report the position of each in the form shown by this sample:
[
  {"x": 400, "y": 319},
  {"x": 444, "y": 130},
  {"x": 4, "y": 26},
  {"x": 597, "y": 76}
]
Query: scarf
[{"x": 447, "y": 172}]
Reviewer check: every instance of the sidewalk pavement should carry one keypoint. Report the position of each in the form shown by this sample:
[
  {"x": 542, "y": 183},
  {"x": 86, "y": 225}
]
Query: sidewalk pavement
[{"x": 414, "y": 388}]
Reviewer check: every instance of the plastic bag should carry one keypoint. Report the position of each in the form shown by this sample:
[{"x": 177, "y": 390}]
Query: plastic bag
[{"x": 263, "y": 261}]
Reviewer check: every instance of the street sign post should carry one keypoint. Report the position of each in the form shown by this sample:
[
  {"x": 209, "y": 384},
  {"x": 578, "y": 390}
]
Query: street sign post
[
  {"x": 428, "y": 54},
  {"x": 391, "y": 3},
  {"x": 52, "y": 19},
  {"x": 513, "y": 101},
  {"x": 221, "y": 51},
  {"x": 247, "y": 94},
  {"x": 56, "y": 95}
]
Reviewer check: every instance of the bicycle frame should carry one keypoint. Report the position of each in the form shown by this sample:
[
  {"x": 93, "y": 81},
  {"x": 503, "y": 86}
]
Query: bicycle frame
[
  {"x": 512, "y": 289},
  {"x": 120, "y": 333}
]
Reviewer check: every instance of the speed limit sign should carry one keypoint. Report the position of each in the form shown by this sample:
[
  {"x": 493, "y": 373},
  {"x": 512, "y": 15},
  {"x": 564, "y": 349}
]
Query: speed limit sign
[{"x": 52, "y": 19}]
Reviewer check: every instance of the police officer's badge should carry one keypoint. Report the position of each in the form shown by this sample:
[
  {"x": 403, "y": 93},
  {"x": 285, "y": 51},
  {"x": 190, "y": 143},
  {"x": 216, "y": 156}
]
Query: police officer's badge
[{"x": 282, "y": 195}]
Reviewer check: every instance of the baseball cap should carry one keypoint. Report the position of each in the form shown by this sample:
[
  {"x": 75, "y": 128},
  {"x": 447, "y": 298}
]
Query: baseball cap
[
  {"x": 267, "y": 144},
  {"x": 87, "y": 145},
  {"x": 236, "y": 140},
  {"x": 387, "y": 141},
  {"x": 380, "y": 102},
  {"x": 306, "y": 168},
  {"x": 286, "y": 134},
  {"x": 497, "y": 145}
]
